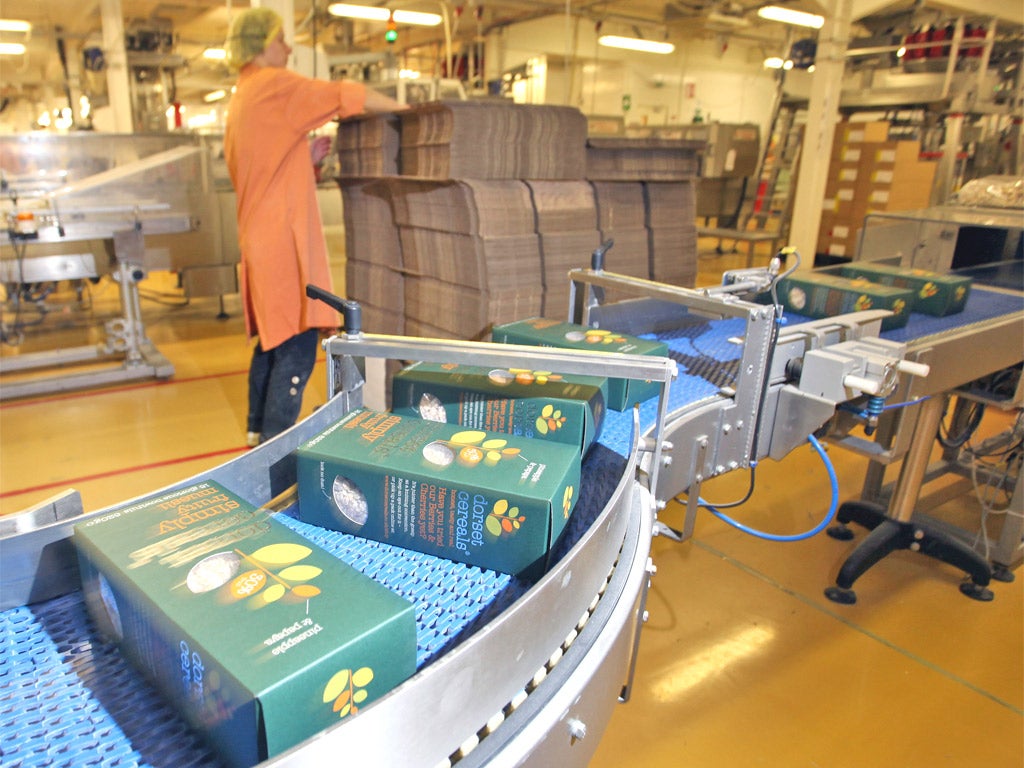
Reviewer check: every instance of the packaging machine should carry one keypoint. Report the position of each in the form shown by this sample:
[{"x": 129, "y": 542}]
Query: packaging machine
[
  {"x": 509, "y": 672},
  {"x": 83, "y": 207}
]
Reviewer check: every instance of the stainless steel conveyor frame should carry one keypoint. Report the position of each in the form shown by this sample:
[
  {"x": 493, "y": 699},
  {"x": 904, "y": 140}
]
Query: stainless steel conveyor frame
[{"x": 567, "y": 646}]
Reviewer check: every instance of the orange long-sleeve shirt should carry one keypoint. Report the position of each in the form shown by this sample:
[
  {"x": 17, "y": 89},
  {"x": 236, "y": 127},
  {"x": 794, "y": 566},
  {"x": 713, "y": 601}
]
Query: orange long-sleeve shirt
[{"x": 279, "y": 228}]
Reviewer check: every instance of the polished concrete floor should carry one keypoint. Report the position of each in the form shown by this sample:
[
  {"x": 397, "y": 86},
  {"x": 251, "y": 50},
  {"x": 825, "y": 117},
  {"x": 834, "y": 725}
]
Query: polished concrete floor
[{"x": 743, "y": 662}]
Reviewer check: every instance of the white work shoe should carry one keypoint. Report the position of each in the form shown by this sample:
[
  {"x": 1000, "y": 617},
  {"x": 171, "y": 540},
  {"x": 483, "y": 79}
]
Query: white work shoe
[{"x": 252, "y": 439}]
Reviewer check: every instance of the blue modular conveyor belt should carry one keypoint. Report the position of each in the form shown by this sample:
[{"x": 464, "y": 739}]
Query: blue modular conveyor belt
[{"x": 69, "y": 699}]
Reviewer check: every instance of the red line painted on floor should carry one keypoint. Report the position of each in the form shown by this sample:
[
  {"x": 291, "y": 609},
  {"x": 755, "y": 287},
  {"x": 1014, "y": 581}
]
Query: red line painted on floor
[
  {"x": 71, "y": 482},
  {"x": 129, "y": 388},
  {"x": 116, "y": 390}
]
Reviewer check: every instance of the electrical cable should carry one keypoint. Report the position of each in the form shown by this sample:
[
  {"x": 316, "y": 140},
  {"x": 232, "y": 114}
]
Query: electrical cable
[
  {"x": 731, "y": 504},
  {"x": 789, "y": 251},
  {"x": 833, "y": 506},
  {"x": 906, "y": 404},
  {"x": 973, "y": 422}
]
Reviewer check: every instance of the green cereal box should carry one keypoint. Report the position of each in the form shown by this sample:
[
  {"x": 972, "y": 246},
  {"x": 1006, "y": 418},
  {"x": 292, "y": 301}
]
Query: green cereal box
[
  {"x": 817, "y": 294},
  {"x": 934, "y": 293},
  {"x": 621, "y": 393},
  {"x": 260, "y": 638},
  {"x": 513, "y": 401},
  {"x": 482, "y": 498}
]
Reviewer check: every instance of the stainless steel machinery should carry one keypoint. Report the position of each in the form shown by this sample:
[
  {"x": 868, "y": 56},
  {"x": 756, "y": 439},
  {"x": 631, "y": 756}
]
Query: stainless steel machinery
[
  {"x": 85, "y": 206},
  {"x": 528, "y": 673}
]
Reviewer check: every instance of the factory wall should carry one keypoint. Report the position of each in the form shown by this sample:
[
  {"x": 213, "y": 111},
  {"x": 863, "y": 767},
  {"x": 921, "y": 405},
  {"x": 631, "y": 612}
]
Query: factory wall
[{"x": 715, "y": 78}]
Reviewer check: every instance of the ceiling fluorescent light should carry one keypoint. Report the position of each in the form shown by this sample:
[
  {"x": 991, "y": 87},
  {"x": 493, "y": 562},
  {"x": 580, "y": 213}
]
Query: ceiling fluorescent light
[
  {"x": 372, "y": 13},
  {"x": 215, "y": 54},
  {"x": 365, "y": 12},
  {"x": 14, "y": 25},
  {"x": 417, "y": 18},
  {"x": 11, "y": 49},
  {"x": 789, "y": 16},
  {"x": 635, "y": 44}
]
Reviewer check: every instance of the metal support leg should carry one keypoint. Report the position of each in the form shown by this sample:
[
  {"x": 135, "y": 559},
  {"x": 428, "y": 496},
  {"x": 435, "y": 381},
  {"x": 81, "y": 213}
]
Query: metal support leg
[{"x": 896, "y": 529}]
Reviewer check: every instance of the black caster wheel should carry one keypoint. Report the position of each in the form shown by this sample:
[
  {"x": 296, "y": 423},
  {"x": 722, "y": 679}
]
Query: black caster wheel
[
  {"x": 977, "y": 592},
  {"x": 841, "y": 595},
  {"x": 840, "y": 532}
]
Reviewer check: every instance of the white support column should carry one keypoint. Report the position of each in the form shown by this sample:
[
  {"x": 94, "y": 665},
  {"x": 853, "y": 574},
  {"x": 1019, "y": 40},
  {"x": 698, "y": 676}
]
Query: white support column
[
  {"x": 118, "y": 90},
  {"x": 822, "y": 111}
]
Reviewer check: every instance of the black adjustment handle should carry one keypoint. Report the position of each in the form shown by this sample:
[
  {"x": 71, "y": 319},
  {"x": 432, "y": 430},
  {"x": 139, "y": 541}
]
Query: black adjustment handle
[
  {"x": 597, "y": 257},
  {"x": 351, "y": 312}
]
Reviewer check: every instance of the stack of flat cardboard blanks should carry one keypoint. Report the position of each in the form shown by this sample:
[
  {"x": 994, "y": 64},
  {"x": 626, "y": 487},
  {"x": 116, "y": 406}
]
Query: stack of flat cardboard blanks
[
  {"x": 492, "y": 140},
  {"x": 443, "y": 310},
  {"x": 373, "y": 255},
  {"x": 621, "y": 219},
  {"x": 471, "y": 257},
  {"x": 672, "y": 227},
  {"x": 624, "y": 159},
  {"x": 367, "y": 145},
  {"x": 495, "y": 203},
  {"x": 567, "y": 226},
  {"x": 494, "y": 208}
]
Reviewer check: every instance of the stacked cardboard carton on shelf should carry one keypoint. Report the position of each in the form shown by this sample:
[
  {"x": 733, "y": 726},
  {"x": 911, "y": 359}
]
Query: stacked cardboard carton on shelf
[
  {"x": 621, "y": 219},
  {"x": 567, "y": 227},
  {"x": 470, "y": 253},
  {"x": 667, "y": 169},
  {"x": 672, "y": 228},
  {"x": 469, "y": 238},
  {"x": 869, "y": 173},
  {"x": 373, "y": 255},
  {"x": 493, "y": 140},
  {"x": 489, "y": 204},
  {"x": 368, "y": 145},
  {"x": 650, "y": 159}
]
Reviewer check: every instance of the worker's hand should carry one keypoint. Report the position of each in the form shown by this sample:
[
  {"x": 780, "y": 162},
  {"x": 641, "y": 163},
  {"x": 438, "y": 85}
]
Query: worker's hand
[{"x": 318, "y": 148}]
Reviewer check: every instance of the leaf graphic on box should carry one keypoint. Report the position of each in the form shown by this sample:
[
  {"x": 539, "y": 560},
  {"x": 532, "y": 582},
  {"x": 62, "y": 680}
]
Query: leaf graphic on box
[
  {"x": 271, "y": 594},
  {"x": 346, "y": 689},
  {"x": 277, "y": 555},
  {"x": 300, "y": 572},
  {"x": 503, "y": 519},
  {"x": 341, "y": 704},
  {"x": 336, "y": 685}
]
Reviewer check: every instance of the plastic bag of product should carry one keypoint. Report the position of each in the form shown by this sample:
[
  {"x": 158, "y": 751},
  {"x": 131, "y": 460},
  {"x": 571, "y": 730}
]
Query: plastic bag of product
[{"x": 993, "y": 192}]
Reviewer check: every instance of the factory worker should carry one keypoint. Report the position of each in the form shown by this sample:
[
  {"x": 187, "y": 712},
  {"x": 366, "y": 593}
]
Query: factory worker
[{"x": 280, "y": 233}]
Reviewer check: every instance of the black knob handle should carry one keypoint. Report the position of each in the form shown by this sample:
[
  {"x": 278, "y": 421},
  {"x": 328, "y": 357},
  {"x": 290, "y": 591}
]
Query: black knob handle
[
  {"x": 351, "y": 312},
  {"x": 597, "y": 257}
]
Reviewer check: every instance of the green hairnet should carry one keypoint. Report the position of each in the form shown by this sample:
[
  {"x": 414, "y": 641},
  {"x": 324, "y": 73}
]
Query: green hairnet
[{"x": 251, "y": 32}]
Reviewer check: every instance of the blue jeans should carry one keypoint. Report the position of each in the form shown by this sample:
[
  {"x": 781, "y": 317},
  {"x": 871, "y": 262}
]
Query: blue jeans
[{"x": 277, "y": 379}]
